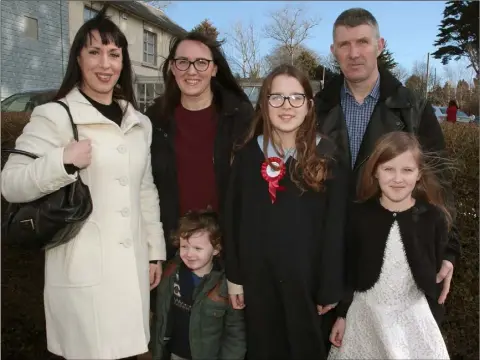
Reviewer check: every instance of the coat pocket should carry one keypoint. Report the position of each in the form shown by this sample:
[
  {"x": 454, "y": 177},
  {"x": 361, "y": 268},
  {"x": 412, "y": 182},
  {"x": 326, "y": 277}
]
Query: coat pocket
[{"x": 77, "y": 263}]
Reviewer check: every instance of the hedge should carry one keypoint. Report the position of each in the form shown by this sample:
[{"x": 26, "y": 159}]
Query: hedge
[
  {"x": 23, "y": 324},
  {"x": 462, "y": 307}
]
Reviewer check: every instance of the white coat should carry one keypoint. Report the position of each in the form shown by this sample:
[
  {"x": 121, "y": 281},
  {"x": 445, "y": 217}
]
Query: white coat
[{"x": 97, "y": 285}]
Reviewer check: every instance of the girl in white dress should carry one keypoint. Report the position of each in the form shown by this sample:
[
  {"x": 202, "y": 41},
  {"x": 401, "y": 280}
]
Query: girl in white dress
[{"x": 396, "y": 244}]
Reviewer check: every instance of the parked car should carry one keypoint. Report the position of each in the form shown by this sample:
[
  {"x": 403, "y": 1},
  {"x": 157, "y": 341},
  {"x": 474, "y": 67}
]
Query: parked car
[
  {"x": 25, "y": 101},
  {"x": 252, "y": 93},
  {"x": 441, "y": 114}
]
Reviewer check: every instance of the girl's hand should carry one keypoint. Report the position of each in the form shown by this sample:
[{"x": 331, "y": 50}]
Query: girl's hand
[
  {"x": 155, "y": 274},
  {"x": 324, "y": 309},
  {"x": 338, "y": 330},
  {"x": 238, "y": 301},
  {"x": 445, "y": 274}
]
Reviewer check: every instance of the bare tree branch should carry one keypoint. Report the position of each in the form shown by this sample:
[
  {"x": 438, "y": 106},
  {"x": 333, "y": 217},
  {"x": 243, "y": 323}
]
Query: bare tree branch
[
  {"x": 244, "y": 46},
  {"x": 290, "y": 28},
  {"x": 400, "y": 73}
]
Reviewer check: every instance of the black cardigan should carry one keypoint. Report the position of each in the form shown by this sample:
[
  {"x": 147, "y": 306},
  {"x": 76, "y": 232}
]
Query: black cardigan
[{"x": 424, "y": 235}]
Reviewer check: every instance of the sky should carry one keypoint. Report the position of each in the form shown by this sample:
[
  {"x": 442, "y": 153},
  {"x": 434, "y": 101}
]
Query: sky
[{"x": 409, "y": 27}]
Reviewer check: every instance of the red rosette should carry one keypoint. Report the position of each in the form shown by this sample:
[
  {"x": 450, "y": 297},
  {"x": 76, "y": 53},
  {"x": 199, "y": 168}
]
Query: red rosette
[{"x": 273, "y": 176}]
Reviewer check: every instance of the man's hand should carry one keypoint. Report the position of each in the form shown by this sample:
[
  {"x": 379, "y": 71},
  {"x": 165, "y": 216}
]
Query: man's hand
[
  {"x": 155, "y": 274},
  {"x": 445, "y": 274}
]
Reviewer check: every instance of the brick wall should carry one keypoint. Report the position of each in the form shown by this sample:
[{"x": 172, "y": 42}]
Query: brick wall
[{"x": 28, "y": 63}]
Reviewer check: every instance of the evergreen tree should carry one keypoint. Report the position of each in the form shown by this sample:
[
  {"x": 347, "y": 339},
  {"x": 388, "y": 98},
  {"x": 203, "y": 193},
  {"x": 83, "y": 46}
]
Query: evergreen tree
[
  {"x": 458, "y": 33},
  {"x": 206, "y": 27}
]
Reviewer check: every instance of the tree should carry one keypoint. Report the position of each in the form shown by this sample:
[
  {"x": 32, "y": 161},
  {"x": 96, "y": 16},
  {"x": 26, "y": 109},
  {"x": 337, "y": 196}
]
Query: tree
[
  {"x": 385, "y": 59},
  {"x": 331, "y": 63},
  {"x": 458, "y": 33},
  {"x": 305, "y": 59},
  {"x": 289, "y": 27},
  {"x": 462, "y": 93},
  {"x": 416, "y": 84},
  {"x": 206, "y": 27},
  {"x": 244, "y": 51},
  {"x": 400, "y": 73},
  {"x": 449, "y": 92},
  {"x": 438, "y": 96},
  {"x": 419, "y": 69}
]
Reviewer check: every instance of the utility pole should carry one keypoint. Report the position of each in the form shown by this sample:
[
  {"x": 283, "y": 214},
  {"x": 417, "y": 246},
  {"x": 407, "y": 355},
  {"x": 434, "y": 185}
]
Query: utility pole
[
  {"x": 323, "y": 77},
  {"x": 426, "y": 82}
]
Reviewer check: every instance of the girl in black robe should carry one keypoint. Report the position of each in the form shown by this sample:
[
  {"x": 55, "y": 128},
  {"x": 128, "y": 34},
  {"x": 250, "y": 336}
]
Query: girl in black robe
[{"x": 284, "y": 223}]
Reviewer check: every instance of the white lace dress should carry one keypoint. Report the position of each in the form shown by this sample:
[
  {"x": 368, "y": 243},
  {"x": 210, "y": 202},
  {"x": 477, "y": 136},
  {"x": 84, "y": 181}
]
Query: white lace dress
[{"x": 392, "y": 320}]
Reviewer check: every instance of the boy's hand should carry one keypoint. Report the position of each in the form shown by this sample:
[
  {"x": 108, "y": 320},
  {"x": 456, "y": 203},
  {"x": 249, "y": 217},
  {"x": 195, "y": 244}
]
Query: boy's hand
[
  {"x": 155, "y": 274},
  {"x": 238, "y": 302},
  {"x": 324, "y": 309},
  {"x": 338, "y": 330}
]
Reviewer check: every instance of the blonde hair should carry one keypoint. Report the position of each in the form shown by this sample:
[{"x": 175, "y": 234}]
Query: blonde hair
[{"x": 391, "y": 145}]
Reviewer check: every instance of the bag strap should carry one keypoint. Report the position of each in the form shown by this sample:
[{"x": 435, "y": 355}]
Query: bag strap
[
  {"x": 33, "y": 156},
  {"x": 74, "y": 127}
]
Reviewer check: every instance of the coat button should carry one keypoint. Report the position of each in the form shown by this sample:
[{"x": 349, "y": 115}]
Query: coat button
[
  {"x": 123, "y": 181},
  {"x": 122, "y": 149},
  {"x": 125, "y": 212}
]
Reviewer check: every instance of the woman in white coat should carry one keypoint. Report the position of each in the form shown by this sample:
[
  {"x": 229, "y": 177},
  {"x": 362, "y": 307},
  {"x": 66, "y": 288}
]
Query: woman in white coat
[{"x": 96, "y": 285}]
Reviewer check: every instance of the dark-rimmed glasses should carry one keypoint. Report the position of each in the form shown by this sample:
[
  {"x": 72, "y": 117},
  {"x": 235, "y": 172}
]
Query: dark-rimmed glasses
[
  {"x": 183, "y": 64},
  {"x": 295, "y": 100}
]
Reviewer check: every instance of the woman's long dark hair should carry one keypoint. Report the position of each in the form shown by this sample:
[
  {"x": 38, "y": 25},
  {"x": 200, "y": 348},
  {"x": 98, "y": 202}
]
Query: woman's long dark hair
[
  {"x": 109, "y": 33},
  {"x": 224, "y": 79}
]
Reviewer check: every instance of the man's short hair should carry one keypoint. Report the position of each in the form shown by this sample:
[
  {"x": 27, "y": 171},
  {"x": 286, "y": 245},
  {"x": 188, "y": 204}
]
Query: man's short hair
[{"x": 355, "y": 17}]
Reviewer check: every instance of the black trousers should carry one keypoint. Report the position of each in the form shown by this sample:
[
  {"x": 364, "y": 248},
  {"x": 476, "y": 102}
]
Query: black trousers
[{"x": 281, "y": 319}]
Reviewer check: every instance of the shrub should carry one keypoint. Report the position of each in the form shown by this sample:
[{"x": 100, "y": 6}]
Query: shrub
[{"x": 461, "y": 322}]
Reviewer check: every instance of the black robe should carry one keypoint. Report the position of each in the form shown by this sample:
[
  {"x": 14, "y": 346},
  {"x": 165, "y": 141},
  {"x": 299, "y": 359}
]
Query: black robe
[{"x": 289, "y": 255}]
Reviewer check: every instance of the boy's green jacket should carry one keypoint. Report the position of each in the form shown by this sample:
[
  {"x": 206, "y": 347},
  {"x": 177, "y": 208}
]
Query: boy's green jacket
[{"x": 217, "y": 331}]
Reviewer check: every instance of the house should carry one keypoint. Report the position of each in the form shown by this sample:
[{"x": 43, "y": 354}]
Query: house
[
  {"x": 37, "y": 35},
  {"x": 34, "y": 45},
  {"x": 148, "y": 31}
]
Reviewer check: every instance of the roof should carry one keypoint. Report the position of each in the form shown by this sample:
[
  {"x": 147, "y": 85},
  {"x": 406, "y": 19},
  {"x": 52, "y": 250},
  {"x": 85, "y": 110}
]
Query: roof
[{"x": 149, "y": 14}]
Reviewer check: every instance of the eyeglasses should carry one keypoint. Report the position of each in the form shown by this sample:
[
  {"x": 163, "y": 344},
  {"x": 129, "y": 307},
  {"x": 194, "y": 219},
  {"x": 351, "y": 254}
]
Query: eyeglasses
[
  {"x": 295, "y": 100},
  {"x": 199, "y": 64}
]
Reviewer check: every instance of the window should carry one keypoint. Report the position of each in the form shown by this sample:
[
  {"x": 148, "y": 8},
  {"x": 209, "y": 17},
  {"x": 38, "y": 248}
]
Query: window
[
  {"x": 16, "y": 103},
  {"x": 89, "y": 13},
  {"x": 30, "y": 29},
  {"x": 146, "y": 93},
  {"x": 149, "y": 47}
]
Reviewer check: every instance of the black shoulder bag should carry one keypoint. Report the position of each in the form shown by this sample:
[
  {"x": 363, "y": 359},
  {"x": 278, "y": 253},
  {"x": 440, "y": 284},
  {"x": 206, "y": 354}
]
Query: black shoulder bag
[{"x": 53, "y": 219}]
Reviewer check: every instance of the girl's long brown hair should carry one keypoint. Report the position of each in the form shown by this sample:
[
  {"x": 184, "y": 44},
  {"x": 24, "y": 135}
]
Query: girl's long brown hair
[
  {"x": 309, "y": 169},
  {"x": 391, "y": 145}
]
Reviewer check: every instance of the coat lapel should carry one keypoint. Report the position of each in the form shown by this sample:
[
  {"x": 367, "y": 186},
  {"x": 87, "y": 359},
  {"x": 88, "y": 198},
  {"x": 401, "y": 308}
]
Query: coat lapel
[{"x": 84, "y": 113}]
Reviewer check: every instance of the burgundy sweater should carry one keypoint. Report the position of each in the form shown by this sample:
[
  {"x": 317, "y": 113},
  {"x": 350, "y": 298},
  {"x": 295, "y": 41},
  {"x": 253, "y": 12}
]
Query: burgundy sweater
[{"x": 194, "y": 144}]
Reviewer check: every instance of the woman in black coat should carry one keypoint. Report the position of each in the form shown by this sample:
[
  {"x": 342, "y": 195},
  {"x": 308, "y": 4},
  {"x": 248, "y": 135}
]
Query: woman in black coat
[{"x": 196, "y": 123}]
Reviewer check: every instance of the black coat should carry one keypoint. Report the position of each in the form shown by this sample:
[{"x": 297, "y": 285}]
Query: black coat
[
  {"x": 397, "y": 110},
  {"x": 424, "y": 235},
  {"x": 234, "y": 118},
  {"x": 300, "y": 236}
]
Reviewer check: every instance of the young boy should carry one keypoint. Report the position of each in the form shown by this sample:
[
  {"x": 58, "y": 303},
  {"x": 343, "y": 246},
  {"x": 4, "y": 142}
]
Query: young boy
[{"x": 193, "y": 318}]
